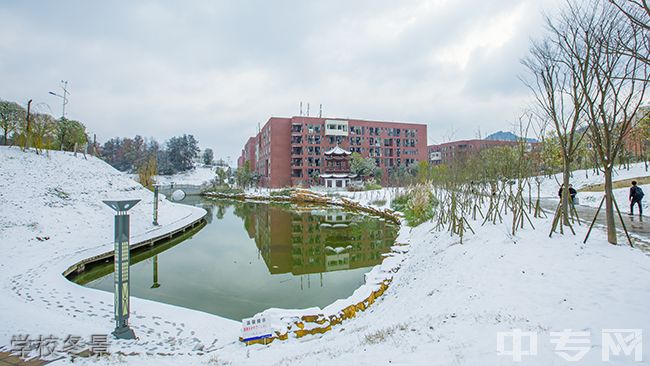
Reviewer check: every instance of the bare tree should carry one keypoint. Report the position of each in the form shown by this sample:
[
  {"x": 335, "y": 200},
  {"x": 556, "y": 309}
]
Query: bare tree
[
  {"x": 613, "y": 83},
  {"x": 637, "y": 11},
  {"x": 638, "y": 14},
  {"x": 560, "y": 99}
]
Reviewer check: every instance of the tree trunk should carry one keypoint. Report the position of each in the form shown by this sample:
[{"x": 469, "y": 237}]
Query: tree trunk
[
  {"x": 609, "y": 207},
  {"x": 565, "y": 195}
]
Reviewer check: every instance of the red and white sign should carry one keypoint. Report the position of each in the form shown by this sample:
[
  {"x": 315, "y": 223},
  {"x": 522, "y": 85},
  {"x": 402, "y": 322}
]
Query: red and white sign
[{"x": 255, "y": 328}]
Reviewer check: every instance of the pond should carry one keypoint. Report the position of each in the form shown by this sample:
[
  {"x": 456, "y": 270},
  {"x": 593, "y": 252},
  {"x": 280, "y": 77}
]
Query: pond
[{"x": 254, "y": 256}]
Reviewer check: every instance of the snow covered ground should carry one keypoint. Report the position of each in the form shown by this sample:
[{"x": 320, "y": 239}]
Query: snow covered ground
[
  {"x": 445, "y": 306},
  {"x": 51, "y": 216},
  {"x": 448, "y": 302}
]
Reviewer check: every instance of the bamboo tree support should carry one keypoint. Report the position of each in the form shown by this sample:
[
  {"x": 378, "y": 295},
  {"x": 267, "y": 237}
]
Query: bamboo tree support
[
  {"x": 620, "y": 217},
  {"x": 558, "y": 220},
  {"x": 574, "y": 212},
  {"x": 530, "y": 197},
  {"x": 556, "y": 217}
]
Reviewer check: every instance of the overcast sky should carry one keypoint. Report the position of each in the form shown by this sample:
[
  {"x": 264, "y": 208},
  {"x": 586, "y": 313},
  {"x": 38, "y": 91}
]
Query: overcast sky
[{"x": 215, "y": 69}]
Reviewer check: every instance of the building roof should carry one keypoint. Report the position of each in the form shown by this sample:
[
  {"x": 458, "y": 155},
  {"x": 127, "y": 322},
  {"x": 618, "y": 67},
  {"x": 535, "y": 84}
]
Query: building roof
[
  {"x": 337, "y": 150},
  {"x": 338, "y": 175}
]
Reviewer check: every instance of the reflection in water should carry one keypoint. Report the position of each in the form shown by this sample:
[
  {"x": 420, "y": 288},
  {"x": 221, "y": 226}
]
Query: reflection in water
[
  {"x": 253, "y": 256},
  {"x": 315, "y": 240},
  {"x": 155, "y": 272}
]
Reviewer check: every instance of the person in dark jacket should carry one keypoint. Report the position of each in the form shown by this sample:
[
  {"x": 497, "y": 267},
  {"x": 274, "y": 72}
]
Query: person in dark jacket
[
  {"x": 636, "y": 195},
  {"x": 572, "y": 193}
]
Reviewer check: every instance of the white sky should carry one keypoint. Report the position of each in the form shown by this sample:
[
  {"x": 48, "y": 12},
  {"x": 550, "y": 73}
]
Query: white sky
[{"x": 215, "y": 69}]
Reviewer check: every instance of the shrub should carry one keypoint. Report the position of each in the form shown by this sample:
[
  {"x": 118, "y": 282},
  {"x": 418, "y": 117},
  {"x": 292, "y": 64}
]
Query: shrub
[{"x": 417, "y": 204}]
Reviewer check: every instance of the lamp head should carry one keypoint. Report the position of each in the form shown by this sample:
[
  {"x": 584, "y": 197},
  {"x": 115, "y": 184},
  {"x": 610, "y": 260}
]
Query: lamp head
[{"x": 121, "y": 205}]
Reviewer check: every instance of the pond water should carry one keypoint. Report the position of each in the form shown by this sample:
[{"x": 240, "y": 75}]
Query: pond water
[{"x": 254, "y": 256}]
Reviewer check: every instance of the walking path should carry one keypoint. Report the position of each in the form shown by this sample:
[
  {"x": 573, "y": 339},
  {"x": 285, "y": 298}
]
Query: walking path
[{"x": 637, "y": 226}]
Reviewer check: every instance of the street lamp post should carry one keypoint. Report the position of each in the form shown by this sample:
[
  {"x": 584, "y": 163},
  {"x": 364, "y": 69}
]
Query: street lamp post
[
  {"x": 121, "y": 274},
  {"x": 156, "y": 188},
  {"x": 64, "y": 97}
]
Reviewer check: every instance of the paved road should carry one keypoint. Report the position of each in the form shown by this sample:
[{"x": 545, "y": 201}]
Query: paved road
[{"x": 638, "y": 226}]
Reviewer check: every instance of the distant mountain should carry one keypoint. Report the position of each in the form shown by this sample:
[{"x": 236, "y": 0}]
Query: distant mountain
[{"x": 506, "y": 136}]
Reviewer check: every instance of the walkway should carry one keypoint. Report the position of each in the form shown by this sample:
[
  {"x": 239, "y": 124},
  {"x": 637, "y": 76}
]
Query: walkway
[{"x": 637, "y": 226}]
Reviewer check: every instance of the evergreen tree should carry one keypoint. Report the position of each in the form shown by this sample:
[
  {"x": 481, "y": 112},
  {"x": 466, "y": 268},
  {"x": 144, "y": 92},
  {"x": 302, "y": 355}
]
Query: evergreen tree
[
  {"x": 208, "y": 156},
  {"x": 181, "y": 152},
  {"x": 12, "y": 116}
]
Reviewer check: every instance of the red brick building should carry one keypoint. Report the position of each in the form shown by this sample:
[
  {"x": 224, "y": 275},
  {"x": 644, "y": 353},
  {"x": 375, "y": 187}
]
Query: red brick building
[
  {"x": 291, "y": 151},
  {"x": 449, "y": 151}
]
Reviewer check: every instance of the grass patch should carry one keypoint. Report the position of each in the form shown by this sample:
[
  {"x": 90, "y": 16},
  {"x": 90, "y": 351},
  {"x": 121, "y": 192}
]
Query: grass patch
[
  {"x": 382, "y": 335},
  {"x": 379, "y": 202},
  {"x": 625, "y": 183}
]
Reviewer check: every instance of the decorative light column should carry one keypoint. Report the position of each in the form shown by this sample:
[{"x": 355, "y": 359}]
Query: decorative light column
[
  {"x": 155, "y": 272},
  {"x": 156, "y": 187},
  {"x": 122, "y": 261}
]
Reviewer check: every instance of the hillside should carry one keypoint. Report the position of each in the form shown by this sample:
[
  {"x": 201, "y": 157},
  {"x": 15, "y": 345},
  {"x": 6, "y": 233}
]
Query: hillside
[{"x": 506, "y": 136}]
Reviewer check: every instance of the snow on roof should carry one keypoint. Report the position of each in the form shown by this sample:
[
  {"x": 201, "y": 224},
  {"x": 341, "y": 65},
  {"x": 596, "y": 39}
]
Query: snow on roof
[
  {"x": 340, "y": 175},
  {"x": 337, "y": 150}
]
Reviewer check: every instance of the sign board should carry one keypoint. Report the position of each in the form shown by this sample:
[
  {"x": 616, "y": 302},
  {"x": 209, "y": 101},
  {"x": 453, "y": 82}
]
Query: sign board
[{"x": 254, "y": 328}]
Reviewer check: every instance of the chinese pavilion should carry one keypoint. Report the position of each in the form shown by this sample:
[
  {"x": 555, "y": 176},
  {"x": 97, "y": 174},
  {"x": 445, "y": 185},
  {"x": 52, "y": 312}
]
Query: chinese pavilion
[{"x": 337, "y": 168}]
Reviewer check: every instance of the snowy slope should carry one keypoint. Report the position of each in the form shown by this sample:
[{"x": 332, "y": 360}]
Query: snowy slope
[{"x": 57, "y": 198}]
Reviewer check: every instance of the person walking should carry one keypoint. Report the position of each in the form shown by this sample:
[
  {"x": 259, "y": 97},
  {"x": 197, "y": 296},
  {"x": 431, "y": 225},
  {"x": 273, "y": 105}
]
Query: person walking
[
  {"x": 636, "y": 195},
  {"x": 572, "y": 193}
]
